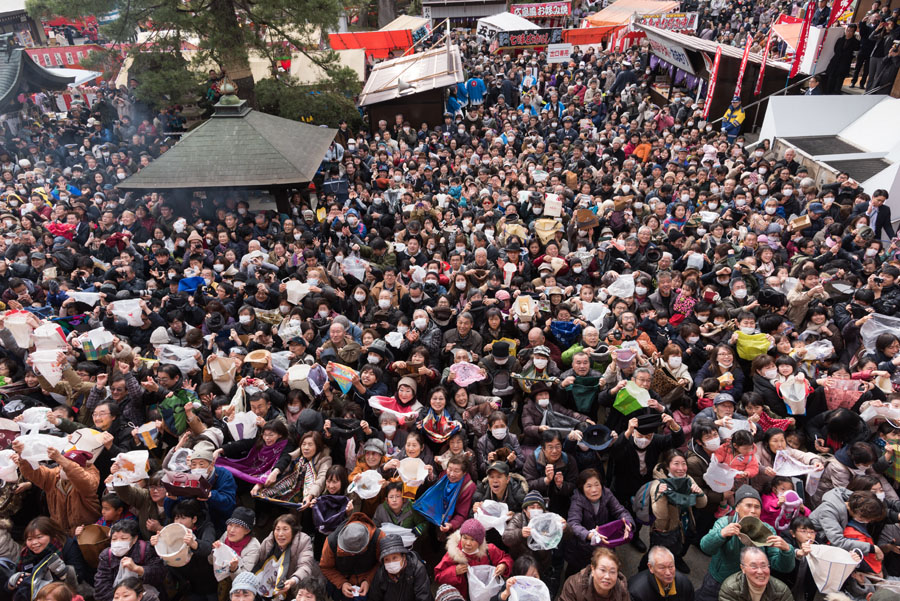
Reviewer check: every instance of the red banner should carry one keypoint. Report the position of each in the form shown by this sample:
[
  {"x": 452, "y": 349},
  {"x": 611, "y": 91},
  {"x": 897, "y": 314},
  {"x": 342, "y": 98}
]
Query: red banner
[
  {"x": 713, "y": 75},
  {"x": 541, "y": 10},
  {"x": 837, "y": 9},
  {"x": 801, "y": 44},
  {"x": 762, "y": 65},
  {"x": 744, "y": 59}
]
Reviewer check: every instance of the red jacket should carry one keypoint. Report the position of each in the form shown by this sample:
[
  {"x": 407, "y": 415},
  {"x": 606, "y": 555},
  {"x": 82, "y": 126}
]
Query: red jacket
[{"x": 487, "y": 554}]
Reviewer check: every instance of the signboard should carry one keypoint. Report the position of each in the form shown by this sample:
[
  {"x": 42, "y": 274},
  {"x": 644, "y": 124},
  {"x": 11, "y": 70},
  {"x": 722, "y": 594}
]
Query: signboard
[
  {"x": 541, "y": 10},
  {"x": 529, "y": 38},
  {"x": 559, "y": 53},
  {"x": 670, "y": 21},
  {"x": 426, "y": 12},
  {"x": 486, "y": 31},
  {"x": 670, "y": 52}
]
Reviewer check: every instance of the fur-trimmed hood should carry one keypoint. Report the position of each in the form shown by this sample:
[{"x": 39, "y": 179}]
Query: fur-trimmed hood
[{"x": 457, "y": 555}]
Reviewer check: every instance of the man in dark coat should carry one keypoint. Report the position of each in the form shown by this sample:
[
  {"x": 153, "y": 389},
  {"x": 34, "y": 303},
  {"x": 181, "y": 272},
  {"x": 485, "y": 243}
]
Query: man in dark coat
[
  {"x": 839, "y": 65},
  {"x": 660, "y": 581},
  {"x": 401, "y": 575}
]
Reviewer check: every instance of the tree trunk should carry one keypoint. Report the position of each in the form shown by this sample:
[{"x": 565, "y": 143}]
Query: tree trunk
[
  {"x": 235, "y": 60},
  {"x": 387, "y": 12}
]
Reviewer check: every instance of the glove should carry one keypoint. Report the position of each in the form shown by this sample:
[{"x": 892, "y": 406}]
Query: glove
[{"x": 57, "y": 567}]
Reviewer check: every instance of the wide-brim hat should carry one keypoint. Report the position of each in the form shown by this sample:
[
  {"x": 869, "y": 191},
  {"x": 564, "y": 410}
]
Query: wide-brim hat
[
  {"x": 93, "y": 539},
  {"x": 597, "y": 437},
  {"x": 585, "y": 219},
  {"x": 754, "y": 532}
]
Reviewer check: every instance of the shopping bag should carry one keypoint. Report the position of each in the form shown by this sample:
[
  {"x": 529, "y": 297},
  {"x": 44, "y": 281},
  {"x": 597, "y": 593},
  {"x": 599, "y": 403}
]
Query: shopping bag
[
  {"x": 786, "y": 465},
  {"x": 493, "y": 514},
  {"x": 482, "y": 583},
  {"x": 243, "y": 425},
  {"x": 527, "y": 588},
  {"x": 34, "y": 419},
  {"x": 36, "y": 446},
  {"x": 17, "y": 324},
  {"x": 751, "y": 346},
  {"x": 719, "y": 477},
  {"x": 296, "y": 291},
  {"x": 406, "y": 534},
  {"x": 222, "y": 370},
  {"x": 129, "y": 311},
  {"x": 830, "y": 567},
  {"x": 133, "y": 467},
  {"x": 184, "y": 358},
  {"x": 222, "y": 556},
  {"x": 47, "y": 364},
  {"x": 631, "y": 398},
  {"x": 546, "y": 531},
  {"x": 842, "y": 393},
  {"x": 465, "y": 373},
  {"x": 412, "y": 471},
  {"x": 794, "y": 393},
  {"x": 368, "y": 486},
  {"x": 9, "y": 471}
]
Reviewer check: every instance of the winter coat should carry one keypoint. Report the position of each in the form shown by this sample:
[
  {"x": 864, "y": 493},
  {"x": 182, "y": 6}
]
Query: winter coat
[
  {"x": 698, "y": 463},
  {"x": 248, "y": 558},
  {"x": 533, "y": 415},
  {"x": 321, "y": 463},
  {"x": 222, "y": 498},
  {"x": 831, "y": 517},
  {"x": 515, "y": 492},
  {"x": 73, "y": 504},
  {"x": 743, "y": 463},
  {"x": 580, "y": 587},
  {"x": 411, "y": 584},
  {"x": 838, "y": 473},
  {"x": 726, "y": 552},
  {"x": 583, "y": 518},
  {"x": 143, "y": 554},
  {"x": 625, "y": 461},
  {"x": 766, "y": 458},
  {"x": 142, "y": 505},
  {"x": 535, "y": 473},
  {"x": 487, "y": 554},
  {"x": 643, "y": 587},
  {"x": 302, "y": 564},
  {"x": 365, "y": 563},
  {"x": 668, "y": 516},
  {"x": 408, "y": 518},
  {"x": 735, "y": 589},
  {"x": 488, "y": 444}
]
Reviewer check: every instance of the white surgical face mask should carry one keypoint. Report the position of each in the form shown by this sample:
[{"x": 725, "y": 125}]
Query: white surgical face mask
[
  {"x": 712, "y": 444},
  {"x": 402, "y": 330},
  {"x": 543, "y": 403},
  {"x": 578, "y": 269},
  {"x": 219, "y": 268},
  {"x": 770, "y": 374},
  {"x": 284, "y": 310},
  {"x": 770, "y": 210},
  {"x": 200, "y": 471},
  {"x": 119, "y": 547},
  {"x": 871, "y": 252},
  {"x": 360, "y": 296},
  {"x": 748, "y": 331},
  {"x": 293, "y": 409},
  {"x": 880, "y": 496},
  {"x": 740, "y": 293},
  {"x": 702, "y": 318},
  {"x": 713, "y": 206},
  {"x": 384, "y": 303},
  {"x": 460, "y": 285},
  {"x": 859, "y": 471},
  {"x": 393, "y": 567},
  {"x": 373, "y": 359},
  {"x": 244, "y": 319},
  {"x": 675, "y": 362},
  {"x": 641, "y": 442},
  {"x": 693, "y": 339},
  {"x": 389, "y": 429},
  {"x": 323, "y": 313},
  {"x": 498, "y": 433},
  {"x": 420, "y": 322},
  {"x": 763, "y": 191},
  {"x": 640, "y": 290},
  {"x": 540, "y": 363},
  {"x": 787, "y": 191}
]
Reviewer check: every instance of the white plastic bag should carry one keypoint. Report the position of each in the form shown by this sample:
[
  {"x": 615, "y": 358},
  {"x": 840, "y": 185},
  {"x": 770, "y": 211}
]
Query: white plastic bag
[
  {"x": 623, "y": 287},
  {"x": 527, "y": 588},
  {"x": 356, "y": 267},
  {"x": 493, "y": 514},
  {"x": 9, "y": 471},
  {"x": 88, "y": 298},
  {"x": 368, "y": 486},
  {"x": 595, "y": 313},
  {"x": 17, "y": 324},
  {"x": 818, "y": 350},
  {"x": 719, "y": 477},
  {"x": 181, "y": 357},
  {"x": 181, "y": 460},
  {"x": 223, "y": 555},
  {"x": 879, "y": 324},
  {"x": 36, "y": 446},
  {"x": 546, "y": 531},
  {"x": 47, "y": 364},
  {"x": 34, "y": 419},
  {"x": 405, "y": 534},
  {"x": 830, "y": 567},
  {"x": 128, "y": 310},
  {"x": 296, "y": 291},
  {"x": 282, "y": 360},
  {"x": 786, "y": 465},
  {"x": 243, "y": 425},
  {"x": 49, "y": 337},
  {"x": 222, "y": 370},
  {"x": 132, "y": 467},
  {"x": 482, "y": 583},
  {"x": 412, "y": 471},
  {"x": 793, "y": 391},
  {"x": 736, "y": 424}
]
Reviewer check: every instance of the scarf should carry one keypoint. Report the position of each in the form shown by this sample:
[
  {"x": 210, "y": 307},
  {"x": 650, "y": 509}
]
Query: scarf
[
  {"x": 256, "y": 465},
  {"x": 305, "y": 467},
  {"x": 239, "y": 546},
  {"x": 438, "y": 503},
  {"x": 28, "y": 560}
]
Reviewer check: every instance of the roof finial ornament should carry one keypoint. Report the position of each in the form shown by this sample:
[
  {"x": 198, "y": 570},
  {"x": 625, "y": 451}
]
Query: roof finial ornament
[{"x": 229, "y": 94}]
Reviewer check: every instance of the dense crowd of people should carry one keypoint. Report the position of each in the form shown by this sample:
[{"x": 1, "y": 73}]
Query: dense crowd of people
[{"x": 476, "y": 360}]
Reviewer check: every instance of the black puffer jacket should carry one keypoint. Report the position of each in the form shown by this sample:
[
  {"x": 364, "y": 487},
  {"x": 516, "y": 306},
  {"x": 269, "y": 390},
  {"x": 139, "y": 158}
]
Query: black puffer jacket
[{"x": 411, "y": 584}]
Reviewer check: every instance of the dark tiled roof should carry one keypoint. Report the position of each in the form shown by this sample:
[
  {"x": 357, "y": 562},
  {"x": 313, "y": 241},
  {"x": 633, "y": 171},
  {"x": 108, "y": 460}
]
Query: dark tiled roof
[
  {"x": 18, "y": 73},
  {"x": 244, "y": 149}
]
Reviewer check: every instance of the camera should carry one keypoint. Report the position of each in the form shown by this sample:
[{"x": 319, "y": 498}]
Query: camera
[{"x": 878, "y": 279}]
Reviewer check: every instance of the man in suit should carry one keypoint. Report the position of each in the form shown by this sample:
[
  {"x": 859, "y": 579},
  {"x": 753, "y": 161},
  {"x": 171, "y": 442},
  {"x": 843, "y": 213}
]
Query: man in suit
[
  {"x": 879, "y": 215},
  {"x": 815, "y": 87},
  {"x": 839, "y": 65}
]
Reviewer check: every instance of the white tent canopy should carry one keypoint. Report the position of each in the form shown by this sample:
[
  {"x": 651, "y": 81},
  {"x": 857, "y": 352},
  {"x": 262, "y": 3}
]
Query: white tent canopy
[
  {"x": 489, "y": 26},
  {"x": 81, "y": 75}
]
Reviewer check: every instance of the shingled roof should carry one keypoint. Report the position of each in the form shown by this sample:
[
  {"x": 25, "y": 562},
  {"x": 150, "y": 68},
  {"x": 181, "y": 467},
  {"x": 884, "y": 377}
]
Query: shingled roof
[
  {"x": 18, "y": 74},
  {"x": 238, "y": 147}
]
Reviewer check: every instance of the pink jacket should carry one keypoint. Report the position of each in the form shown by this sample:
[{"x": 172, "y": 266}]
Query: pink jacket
[
  {"x": 771, "y": 510},
  {"x": 743, "y": 463}
]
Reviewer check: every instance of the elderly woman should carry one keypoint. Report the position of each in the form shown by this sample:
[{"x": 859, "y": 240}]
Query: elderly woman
[
  {"x": 602, "y": 580},
  {"x": 592, "y": 506}
]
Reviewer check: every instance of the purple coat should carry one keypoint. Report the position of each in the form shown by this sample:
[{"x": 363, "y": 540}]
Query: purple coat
[{"x": 583, "y": 519}]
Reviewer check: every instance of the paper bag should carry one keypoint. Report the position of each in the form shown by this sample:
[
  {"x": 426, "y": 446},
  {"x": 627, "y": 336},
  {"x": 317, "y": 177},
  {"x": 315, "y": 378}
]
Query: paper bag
[{"x": 222, "y": 370}]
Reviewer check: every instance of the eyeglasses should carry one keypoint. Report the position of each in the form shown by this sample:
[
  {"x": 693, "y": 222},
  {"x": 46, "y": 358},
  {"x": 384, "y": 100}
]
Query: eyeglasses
[
  {"x": 118, "y": 388},
  {"x": 100, "y": 413},
  {"x": 756, "y": 567}
]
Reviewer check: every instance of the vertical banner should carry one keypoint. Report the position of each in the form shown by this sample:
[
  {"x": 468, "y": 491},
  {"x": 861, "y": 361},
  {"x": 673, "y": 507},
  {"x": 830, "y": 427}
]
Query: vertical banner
[
  {"x": 762, "y": 65},
  {"x": 801, "y": 44},
  {"x": 712, "y": 83},
  {"x": 740, "y": 78},
  {"x": 837, "y": 10}
]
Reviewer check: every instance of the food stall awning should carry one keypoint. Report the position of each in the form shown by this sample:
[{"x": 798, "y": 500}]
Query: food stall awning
[
  {"x": 437, "y": 68},
  {"x": 620, "y": 12},
  {"x": 409, "y": 22},
  {"x": 507, "y": 22},
  {"x": 376, "y": 43},
  {"x": 587, "y": 35}
]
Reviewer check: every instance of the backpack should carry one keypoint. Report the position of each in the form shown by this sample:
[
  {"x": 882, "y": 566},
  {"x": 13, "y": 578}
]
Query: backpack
[{"x": 642, "y": 504}]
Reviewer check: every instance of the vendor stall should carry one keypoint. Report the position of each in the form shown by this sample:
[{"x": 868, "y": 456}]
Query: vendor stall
[
  {"x": 619, "y": 14},
  {"x": 489, "y": 27}
]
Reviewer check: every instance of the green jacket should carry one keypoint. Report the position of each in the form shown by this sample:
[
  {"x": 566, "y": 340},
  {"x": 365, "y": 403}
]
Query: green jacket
[
  {"x": 172, "y": 410},
  {"x": 735, "y": 589},
  {"x": 726, "y": 552}
]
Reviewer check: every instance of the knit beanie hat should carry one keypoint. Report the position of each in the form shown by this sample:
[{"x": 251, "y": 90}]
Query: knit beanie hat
[
  {"x": 245, "y": 581},
  {"x": 746, "y": 492},
  {"x": 473, "y": 528},
  {"x": 532, "y": 497},
  {"x": 446, "y": 592},
  {"x": 242, "y": 516}
]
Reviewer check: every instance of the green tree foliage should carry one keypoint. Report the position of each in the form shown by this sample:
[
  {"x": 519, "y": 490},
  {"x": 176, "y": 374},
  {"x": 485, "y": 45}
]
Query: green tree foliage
[
  {"x": 106, "y": 61},
  {"x": 317, "y": 105},
  {"x": 227, "y": 29},
  {"x": 164, "y": 79}
]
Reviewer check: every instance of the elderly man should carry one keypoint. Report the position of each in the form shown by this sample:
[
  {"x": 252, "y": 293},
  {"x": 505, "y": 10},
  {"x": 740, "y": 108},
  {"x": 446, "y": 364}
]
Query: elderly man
[
  {"x": 660, "y": 581},
  {"x": 627, "y": 331},
  {"x": 590, "y": 343},
  {"x": 342, "y": 344},
  {"x": 724, "y": 544},
  {"x": 462, "y": 336},
  {"x": 754, "y": 581}
]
